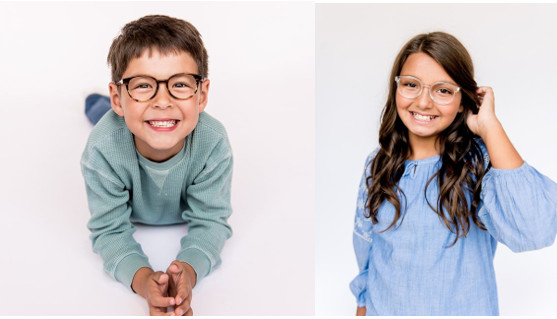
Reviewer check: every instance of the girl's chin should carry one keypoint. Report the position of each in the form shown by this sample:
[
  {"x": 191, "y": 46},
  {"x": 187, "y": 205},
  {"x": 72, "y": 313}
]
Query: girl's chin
[{"x": 423, "y": 134}]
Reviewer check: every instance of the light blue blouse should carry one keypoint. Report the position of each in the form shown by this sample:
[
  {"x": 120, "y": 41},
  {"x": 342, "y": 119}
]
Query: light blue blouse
[{"x": 410, "y": 270}]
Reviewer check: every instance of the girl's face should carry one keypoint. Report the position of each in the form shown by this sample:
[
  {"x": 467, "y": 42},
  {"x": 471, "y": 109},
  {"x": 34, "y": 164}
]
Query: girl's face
[{"x": 423, "y": 117}]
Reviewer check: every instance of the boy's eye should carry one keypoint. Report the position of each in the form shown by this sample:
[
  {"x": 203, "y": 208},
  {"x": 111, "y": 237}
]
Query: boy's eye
[
  {"x": 183, "y": 82},
  {"x": 181, "y": 85},
  {"x": 143, "y": 86}
]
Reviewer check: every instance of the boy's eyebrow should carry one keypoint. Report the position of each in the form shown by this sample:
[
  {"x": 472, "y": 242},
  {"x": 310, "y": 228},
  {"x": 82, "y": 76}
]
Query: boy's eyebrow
[{"x": 151, "y": 76}]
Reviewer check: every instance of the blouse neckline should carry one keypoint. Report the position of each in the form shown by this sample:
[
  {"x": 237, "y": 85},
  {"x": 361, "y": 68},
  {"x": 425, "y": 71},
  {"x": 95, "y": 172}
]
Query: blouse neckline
[{"x": 429, "y": 160}]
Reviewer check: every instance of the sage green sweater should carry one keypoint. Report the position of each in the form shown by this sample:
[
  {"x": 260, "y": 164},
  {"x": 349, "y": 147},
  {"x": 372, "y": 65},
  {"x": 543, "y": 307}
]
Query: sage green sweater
[{"x": 123, "y": 188}]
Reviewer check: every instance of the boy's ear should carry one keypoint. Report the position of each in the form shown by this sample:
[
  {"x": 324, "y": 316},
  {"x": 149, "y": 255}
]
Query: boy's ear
[
  {"x": 115, "y": 100},
  {"x": 204, "y": 94}
]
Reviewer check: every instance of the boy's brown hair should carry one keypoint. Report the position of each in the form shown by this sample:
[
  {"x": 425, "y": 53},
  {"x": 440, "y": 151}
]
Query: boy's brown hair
[{"x": 163, "y": 33}]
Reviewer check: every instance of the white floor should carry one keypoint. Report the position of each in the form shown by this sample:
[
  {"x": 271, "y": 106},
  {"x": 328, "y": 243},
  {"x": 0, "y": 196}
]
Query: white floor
[{"x": 54, "y": 54}]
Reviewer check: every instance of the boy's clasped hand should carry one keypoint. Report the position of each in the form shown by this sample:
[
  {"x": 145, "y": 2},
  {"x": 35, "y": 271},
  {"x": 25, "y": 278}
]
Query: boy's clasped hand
[{"x": 170, "y": 289}]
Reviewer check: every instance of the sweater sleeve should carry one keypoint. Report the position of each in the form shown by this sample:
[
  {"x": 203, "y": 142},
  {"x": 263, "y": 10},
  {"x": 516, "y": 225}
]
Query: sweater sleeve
[
  {"x": 519, "y": 207},
  {"x": 362, "y": 242},
  {"x": 208, "y": 210},
  {"x": 110, "y": 226}
]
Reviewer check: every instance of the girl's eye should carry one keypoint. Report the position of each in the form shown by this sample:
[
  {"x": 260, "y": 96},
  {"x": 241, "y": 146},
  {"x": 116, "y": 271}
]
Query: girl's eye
[
  {"x": 410, "y": 84},
  {"x": 445, "y": 91}
]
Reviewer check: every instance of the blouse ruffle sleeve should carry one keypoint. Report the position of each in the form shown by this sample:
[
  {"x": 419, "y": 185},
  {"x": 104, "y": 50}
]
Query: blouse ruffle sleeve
[
  {"x": 362, "y": 241},
  {"x": 519, "y": 207}
]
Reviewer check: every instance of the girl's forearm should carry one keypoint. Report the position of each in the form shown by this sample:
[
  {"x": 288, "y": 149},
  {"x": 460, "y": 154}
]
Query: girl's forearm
[{"x": 501, "y": 151}]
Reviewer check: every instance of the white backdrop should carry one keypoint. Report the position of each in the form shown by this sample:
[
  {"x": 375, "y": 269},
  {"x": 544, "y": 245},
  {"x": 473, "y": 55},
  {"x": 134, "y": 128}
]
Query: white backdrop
[
  {"x": 513, "y": 48},
  {"x": 261, "y": 66}
]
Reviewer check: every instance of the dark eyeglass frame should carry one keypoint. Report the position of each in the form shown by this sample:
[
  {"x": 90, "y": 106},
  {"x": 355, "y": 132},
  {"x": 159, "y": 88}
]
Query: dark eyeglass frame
[{"x": 126, "y": 81}]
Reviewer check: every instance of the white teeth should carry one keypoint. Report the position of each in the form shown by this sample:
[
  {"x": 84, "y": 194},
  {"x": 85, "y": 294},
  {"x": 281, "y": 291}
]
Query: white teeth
[
  {"x": 162, "y": 123},
  {"x": 423, "y": 117}
]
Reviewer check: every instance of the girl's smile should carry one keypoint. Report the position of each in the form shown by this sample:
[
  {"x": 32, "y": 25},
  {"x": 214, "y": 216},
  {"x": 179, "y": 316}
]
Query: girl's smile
[{"x": 423, "y": 118}]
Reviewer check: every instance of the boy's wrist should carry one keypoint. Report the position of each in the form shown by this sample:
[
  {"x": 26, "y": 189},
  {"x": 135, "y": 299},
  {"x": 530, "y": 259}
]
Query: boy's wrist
[
  {"x": 192, "y": 275},
  {"x": 139, "y": 279}
]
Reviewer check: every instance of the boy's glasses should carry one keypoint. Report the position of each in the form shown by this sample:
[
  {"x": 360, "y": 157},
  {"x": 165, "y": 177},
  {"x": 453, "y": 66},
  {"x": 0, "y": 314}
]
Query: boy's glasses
[
  {"x": 440, "y": 92},
  {"x": 142, "y": 88}
]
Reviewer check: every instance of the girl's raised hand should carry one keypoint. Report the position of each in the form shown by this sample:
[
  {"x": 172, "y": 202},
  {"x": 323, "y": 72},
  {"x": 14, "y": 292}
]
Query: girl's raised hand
[
  {"x": 485, "y": 119},
  {"x": 485, "y": 124}
]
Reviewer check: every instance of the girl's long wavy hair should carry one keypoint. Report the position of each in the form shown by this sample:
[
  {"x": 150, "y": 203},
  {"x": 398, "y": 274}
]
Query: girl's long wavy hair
[{"x": 462, "y": 166}]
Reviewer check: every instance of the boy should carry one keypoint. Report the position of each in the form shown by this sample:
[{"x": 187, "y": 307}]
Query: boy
[{"x": 156, "y": 158}]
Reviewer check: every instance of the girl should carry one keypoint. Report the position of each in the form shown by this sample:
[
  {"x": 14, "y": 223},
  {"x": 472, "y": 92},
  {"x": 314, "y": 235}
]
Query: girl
[{"x": 444, "y": 186}]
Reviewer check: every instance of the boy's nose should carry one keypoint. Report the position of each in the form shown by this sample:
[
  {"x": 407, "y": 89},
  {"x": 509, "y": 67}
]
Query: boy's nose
[{"x": 162, "y": 99}]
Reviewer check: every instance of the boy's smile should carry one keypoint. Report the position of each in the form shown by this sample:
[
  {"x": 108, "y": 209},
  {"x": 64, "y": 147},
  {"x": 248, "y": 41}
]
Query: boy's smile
[{"x": 161, "y": 124}]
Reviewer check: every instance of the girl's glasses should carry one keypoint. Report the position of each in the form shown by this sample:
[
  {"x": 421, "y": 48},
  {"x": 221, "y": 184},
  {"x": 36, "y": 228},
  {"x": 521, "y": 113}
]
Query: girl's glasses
[{"x": 440, "y": 92}]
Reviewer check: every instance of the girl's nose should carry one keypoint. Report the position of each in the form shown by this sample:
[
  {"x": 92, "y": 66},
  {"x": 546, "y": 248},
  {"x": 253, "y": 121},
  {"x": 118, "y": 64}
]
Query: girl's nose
[{"x": 424, "y": 100}]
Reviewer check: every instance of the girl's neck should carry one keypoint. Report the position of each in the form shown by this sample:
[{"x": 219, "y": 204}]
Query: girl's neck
[{"x": 423, "y": 148}]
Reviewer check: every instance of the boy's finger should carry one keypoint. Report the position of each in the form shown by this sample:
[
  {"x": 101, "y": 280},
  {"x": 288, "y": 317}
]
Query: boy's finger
[
  {"x": 183, "y": 309},
  {"x": 163, "y": 302},
  {"x": 183, "y": 304},
  {"x": 182, "y": 293},
  {"x": 160, "y": 278},
  {"x": 174, "y": 269},
  {"x": 158, "y": 292},
  {"x": 157, "y": 311}
]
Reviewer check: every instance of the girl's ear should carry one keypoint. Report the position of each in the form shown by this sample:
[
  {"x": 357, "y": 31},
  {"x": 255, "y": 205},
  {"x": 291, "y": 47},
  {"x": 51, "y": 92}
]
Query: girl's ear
[
  {"x": 115, "y": 100},
  {"x": 460, "y": 108}
]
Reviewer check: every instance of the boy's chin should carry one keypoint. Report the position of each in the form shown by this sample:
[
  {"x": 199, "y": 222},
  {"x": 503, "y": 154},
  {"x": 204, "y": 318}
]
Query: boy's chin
[{"x": 159, "y": 152}]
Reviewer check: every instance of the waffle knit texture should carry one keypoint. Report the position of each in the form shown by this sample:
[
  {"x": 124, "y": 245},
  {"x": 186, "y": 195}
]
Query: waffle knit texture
[{"x": 123, "y": 188}]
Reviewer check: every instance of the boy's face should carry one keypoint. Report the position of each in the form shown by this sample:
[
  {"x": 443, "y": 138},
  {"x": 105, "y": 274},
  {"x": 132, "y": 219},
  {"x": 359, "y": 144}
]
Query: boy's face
[{"x": 161, "y": 124}]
